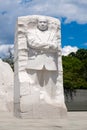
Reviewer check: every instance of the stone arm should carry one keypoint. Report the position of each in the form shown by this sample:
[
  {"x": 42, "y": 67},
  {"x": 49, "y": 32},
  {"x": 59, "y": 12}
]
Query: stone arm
[{"x": 50, "y": 45}]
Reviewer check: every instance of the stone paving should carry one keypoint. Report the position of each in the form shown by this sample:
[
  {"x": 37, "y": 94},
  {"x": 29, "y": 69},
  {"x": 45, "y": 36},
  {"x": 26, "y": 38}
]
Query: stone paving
[{"x": 75, "y": 121}]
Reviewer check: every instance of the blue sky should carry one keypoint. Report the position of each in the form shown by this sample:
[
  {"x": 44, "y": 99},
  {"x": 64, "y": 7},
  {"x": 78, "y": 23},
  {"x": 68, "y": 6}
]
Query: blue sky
[
  {"x": 72, "y": 14},
  {"x": 74, "y": 34}
]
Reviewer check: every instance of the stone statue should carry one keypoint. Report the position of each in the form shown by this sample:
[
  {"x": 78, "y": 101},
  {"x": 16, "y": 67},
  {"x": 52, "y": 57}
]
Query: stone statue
[{"x": 38, "y": 68}]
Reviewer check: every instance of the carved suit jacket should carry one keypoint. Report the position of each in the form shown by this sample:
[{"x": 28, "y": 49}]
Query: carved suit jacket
[{"x": 42, "y": 50}]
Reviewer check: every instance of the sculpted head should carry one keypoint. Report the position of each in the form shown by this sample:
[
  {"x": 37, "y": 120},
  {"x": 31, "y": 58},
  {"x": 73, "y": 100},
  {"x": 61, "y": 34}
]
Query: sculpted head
[{"x": 42, "y": 24}]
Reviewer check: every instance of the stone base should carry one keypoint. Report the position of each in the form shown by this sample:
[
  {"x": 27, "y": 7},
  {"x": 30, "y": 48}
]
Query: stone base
[
  {"x": 44, "y": 111},
  {"x": 32, "y": 107}
]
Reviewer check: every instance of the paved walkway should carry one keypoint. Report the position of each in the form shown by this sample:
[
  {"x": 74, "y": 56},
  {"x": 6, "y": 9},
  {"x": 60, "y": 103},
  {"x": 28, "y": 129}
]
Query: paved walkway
[{"x": 76, "y": 121}]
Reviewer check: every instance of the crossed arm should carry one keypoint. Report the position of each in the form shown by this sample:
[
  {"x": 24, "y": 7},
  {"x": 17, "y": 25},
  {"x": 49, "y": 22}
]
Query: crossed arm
[{"x": 51, "y": 45}]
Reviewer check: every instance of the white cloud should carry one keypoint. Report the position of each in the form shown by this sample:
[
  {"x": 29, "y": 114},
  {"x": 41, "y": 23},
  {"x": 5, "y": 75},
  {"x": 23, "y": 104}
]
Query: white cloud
[
  {"x": 4, "y": 50},
  {"x": 68, "y": 49},
  {"x": 71, "y": 10}
]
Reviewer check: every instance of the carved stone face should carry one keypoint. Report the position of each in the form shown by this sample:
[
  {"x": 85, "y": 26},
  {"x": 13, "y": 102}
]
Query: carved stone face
[{"x": 42, "y": 24}]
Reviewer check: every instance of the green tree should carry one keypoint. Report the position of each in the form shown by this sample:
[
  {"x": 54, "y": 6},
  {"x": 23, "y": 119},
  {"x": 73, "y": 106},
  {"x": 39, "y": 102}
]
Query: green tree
[
  {"x": 71, "y": 68},
  {"x": 81, "y": 54},
  {"x": 75, "y": 69}
]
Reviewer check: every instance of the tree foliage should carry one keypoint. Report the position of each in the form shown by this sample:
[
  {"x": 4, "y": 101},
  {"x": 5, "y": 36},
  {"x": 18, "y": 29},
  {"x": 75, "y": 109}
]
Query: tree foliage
[{"x": 75, "y": 70}]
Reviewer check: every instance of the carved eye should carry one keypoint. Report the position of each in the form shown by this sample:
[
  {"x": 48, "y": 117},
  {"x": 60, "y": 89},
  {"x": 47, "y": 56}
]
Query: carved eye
[{"x": 42, "y": 22}]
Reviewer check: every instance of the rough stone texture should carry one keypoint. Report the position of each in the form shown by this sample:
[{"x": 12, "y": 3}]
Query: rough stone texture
[
  {"x": 6, "y": 87},
  {"x": 38, "y": 91}
]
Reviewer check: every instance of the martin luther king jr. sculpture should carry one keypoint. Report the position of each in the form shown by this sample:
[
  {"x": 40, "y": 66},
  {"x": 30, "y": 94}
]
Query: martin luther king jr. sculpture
[{"x": 38, "y": 68}]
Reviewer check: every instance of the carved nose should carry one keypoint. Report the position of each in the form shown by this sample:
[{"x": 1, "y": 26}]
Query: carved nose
[{"x": 42, "y": 24}]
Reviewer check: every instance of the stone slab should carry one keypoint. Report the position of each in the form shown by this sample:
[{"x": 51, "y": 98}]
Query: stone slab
[{"x": 38, "y": 73}]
